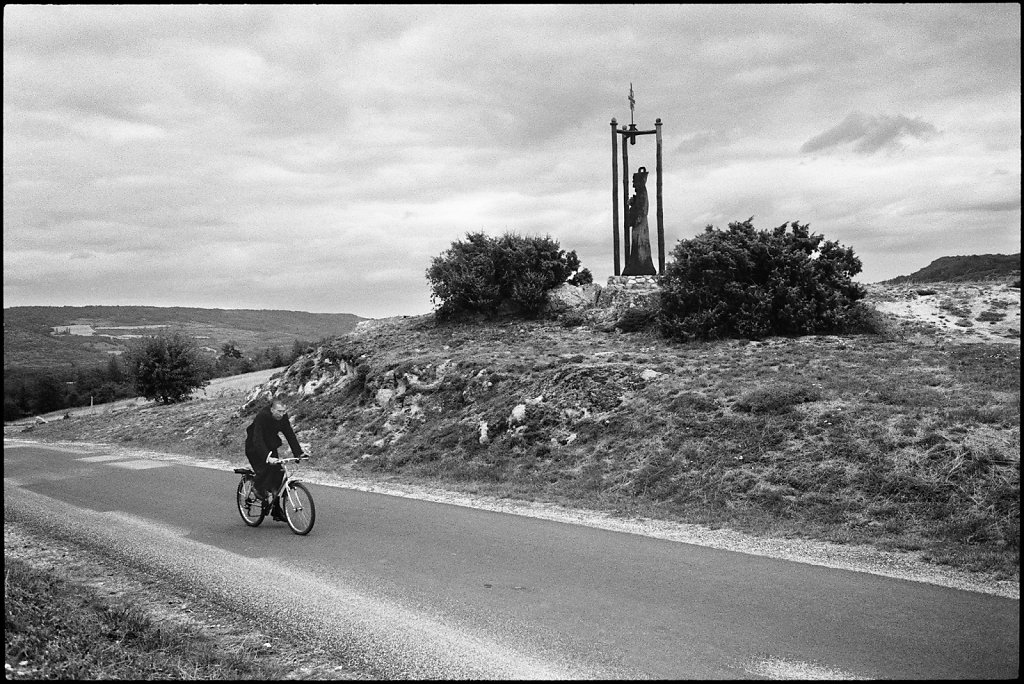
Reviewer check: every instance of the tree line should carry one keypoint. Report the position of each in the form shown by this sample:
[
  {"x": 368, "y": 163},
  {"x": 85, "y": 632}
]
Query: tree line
[{"x": 31, "y": 392}]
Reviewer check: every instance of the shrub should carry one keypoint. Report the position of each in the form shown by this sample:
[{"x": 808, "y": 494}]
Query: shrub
[
  {"x": 168, "y": 368},
  {"x": 635, "y": 319},
  {"x": 746, "y": 283},
  {"x": 775, "y": 399},
  {"x": 573, "y": 319},
  {"x": 510, "y": 274},
  {"x": 582, "y": 277},
  {"x": 993, "y": 316}
]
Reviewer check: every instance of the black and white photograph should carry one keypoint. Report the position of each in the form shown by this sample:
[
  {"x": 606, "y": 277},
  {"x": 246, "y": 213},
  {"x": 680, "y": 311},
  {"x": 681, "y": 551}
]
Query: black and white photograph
[{"x": 540, "y": 341}]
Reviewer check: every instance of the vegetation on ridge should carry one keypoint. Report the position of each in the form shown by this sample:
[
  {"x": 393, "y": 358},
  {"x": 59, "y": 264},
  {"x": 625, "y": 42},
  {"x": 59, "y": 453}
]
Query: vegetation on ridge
[{"x": 951, "y": 269}]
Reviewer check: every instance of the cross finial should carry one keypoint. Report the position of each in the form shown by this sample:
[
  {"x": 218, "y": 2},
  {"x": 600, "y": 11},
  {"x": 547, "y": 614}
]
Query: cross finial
[{"x": 632, "y": 102}]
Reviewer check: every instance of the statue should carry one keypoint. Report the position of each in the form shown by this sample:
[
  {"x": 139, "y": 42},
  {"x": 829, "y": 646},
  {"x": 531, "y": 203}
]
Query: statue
[{"x": 638, "y": 251}]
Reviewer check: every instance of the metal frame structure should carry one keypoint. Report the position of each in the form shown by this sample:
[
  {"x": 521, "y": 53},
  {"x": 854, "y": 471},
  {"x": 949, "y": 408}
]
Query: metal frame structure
[{"x": 630, "y": 133}]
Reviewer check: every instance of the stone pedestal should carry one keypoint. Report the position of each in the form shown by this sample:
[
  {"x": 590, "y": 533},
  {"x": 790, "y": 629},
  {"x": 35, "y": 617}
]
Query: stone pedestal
[{"x": 630, "y": 292}]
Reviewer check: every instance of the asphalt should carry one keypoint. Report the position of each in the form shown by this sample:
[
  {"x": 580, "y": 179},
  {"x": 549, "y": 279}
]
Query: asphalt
[{"x": 411, "y": 588}]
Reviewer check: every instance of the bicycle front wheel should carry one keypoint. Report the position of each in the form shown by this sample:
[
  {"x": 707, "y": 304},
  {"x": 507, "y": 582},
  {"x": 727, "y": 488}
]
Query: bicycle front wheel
[
  {"x": 249, "y": 505},
  {"x": 299, "y": 510}
]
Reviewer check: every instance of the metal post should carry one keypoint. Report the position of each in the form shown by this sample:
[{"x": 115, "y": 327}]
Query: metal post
[
  {"x": 661, "y": 213},
  {"x": 625, "y": 198},
  {"x": 615, "y": 195}
]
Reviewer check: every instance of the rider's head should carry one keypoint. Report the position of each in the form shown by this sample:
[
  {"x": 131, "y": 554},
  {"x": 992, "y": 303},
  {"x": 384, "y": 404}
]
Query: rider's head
[{"x": 278, "y": 409}]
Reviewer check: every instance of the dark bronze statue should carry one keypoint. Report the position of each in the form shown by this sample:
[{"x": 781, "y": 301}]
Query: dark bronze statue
[{"x": 638, "y": 251}]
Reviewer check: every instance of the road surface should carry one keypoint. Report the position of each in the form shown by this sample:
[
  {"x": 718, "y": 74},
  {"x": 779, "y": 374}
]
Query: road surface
[{"x": 402, "y": 587}]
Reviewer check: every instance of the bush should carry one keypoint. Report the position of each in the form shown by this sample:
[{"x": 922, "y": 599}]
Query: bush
[
  {"x": 776, "y": 399},
  {"x": 491, "y": 276},
  {"x": 636, "y": 319},
  {"x": 751, "y": 284},
  {"x": 168, "y": 368}
]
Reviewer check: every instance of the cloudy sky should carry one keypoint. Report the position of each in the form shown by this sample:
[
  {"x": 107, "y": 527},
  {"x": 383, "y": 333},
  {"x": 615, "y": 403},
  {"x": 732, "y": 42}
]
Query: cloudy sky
[{"x": 316, "y": 158}]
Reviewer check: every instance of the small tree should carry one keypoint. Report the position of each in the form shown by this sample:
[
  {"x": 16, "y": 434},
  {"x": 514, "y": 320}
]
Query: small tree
[
  {"x": 115, "y": 371},
  {"x": 50, "y": 393},
  {"x": 230, "y": 350},
  {"x": 746, "y": 283},
  {"x": 299, "y": 347},
  {"x": 168, "y": 368},
  {"x": 509, "y": 274}
]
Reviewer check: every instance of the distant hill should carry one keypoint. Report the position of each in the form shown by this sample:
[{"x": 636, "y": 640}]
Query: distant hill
[
  {"x": 61, "y": 336},
  {"x": 962, "y": 268}
]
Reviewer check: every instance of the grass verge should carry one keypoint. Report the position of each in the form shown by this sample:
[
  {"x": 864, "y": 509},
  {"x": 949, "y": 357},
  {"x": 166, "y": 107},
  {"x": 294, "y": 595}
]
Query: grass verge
[{"x": 55, "y": 628}]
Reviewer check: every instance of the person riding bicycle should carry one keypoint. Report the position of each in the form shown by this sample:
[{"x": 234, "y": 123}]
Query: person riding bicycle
[{"x": 262, "y": 441}]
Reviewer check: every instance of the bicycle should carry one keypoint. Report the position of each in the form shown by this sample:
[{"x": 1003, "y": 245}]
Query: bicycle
[{"x": 295, "y": 501}]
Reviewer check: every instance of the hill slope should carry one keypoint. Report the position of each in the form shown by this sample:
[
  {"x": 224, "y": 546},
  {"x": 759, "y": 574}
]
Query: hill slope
[
  {"x": 49, "y": 336},
  {"x": 908, "y": 440},
  {"x": 965, "y": 268}
]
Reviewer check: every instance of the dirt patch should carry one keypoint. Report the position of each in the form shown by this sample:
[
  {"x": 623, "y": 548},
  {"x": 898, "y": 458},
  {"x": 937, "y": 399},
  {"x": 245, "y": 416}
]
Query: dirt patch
[{"x": 956, "y": 312}]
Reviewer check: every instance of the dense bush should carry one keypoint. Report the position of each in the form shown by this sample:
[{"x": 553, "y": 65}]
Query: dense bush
[
  {"x": 746, "y": 283},
  {"x": 507, "y": 275},
  {"x": 168, "y": 368},
  {"x": 32, "y": 391}
]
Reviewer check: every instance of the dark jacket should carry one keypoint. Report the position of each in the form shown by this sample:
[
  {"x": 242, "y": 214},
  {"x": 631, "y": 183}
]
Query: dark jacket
[{"x": 261, "y": 437}]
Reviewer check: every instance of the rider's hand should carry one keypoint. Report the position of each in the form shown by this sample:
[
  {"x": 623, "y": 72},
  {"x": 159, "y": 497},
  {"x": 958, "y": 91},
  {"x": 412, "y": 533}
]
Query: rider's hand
[{"x": 271, "y": 460}]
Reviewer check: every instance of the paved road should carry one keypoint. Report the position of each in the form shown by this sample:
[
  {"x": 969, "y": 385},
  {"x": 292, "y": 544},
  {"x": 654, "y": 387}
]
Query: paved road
[{"x": 413, "y": 588}]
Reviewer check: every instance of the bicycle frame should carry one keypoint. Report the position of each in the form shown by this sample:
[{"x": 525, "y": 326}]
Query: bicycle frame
[{"x": 286, "y": 480}]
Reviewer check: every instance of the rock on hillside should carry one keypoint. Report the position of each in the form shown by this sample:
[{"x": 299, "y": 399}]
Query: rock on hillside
[
  {"x": 387, "y": 377},
  {"x": 401, "y": 388}
]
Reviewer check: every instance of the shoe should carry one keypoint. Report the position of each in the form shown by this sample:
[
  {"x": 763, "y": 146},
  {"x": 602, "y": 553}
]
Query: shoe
[{"x": 277, "y": 514}]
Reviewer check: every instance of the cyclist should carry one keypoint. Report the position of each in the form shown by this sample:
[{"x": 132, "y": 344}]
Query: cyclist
[{"x": 262, "y": 440}]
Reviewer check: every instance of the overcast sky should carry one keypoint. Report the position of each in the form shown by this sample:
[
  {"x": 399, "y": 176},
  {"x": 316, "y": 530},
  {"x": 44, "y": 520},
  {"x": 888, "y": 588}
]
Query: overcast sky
[{"x": 316, "y": 158}]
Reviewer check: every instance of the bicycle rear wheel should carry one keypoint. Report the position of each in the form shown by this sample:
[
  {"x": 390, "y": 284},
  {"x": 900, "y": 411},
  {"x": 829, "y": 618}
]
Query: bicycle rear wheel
[
  {"x": 299, "y": 510},
  {"x": 250, "y": 507}
]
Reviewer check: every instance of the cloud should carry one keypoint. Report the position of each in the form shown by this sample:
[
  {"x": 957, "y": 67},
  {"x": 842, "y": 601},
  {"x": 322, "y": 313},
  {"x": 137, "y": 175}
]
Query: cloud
[
  {"x": 180, "y": 146},
  {"x": 870, "y": 133}
]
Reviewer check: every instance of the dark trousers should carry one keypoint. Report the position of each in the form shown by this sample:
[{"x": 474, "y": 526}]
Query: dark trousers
[{"x": 269, "y": 477}]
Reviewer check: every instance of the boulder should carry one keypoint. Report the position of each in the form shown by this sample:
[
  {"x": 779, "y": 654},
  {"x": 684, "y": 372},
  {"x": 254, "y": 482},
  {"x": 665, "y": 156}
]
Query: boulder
[{"x": 566, "y": 297}]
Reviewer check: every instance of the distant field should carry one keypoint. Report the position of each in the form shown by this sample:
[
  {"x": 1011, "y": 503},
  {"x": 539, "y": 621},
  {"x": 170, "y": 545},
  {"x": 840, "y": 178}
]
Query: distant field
[{"x": 58, "y": 337}]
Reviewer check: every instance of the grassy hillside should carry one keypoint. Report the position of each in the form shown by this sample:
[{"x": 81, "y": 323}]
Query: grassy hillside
[
  {"x": 906, "y": 440},
  {"x": 29, "y": 342},
  {"x": 965, "y": 268}
]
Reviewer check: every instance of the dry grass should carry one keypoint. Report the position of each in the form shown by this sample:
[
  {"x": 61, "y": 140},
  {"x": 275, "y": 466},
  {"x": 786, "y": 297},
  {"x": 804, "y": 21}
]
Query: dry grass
[{"x": 55, "y": 628}]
